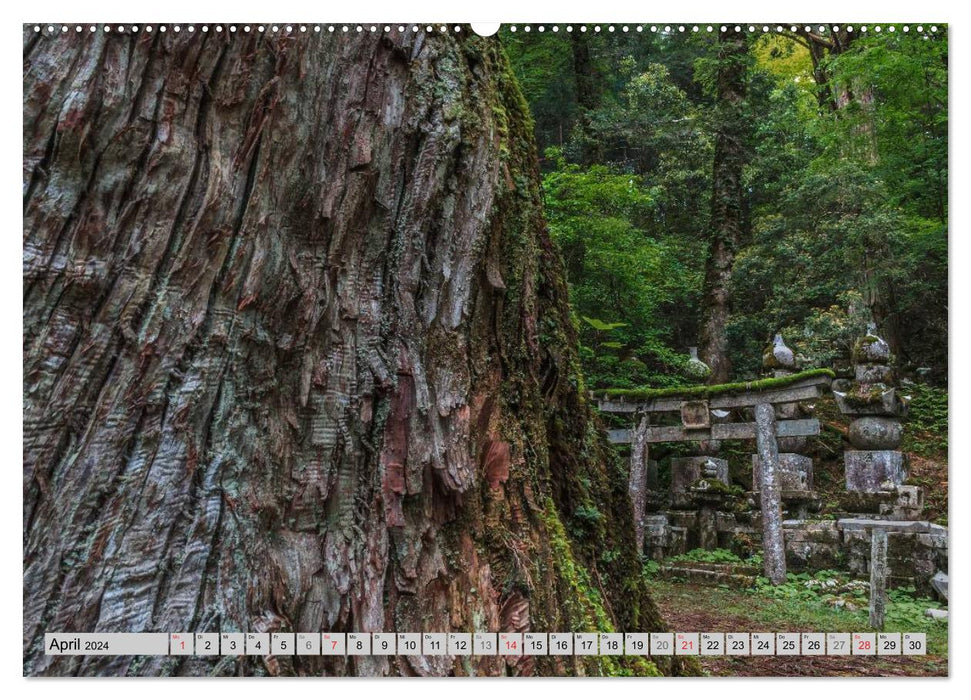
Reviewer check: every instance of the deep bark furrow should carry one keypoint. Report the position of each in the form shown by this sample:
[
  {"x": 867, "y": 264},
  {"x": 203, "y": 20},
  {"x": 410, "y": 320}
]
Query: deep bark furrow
[{"x": 283, "y": 363}]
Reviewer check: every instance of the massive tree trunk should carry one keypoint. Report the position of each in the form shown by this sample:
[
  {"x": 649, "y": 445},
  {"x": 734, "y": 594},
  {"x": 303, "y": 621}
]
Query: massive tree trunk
[
  {"x": 727, "y": 210},
  {"x": 298, "y": 356}
]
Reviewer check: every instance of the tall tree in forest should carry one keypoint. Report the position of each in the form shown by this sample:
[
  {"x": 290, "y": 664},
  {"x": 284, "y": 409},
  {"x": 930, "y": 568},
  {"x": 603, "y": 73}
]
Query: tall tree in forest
[
  {"x": 727, "y": 211},
  {"x": 588, "y": 93},
  {"x": 298, "y": 356}
]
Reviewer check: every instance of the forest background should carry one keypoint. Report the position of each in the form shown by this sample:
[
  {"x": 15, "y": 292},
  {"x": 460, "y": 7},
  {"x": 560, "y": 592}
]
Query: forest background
[{"x": 712, "y": 191}]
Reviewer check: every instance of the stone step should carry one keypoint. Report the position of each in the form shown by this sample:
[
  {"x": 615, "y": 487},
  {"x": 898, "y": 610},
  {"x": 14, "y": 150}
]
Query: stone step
[{"x": 707, "y": 573}]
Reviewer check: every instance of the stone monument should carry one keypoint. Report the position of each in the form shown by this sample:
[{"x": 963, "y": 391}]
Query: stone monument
[
  {"x": 795, "y": 471},
  {"x": 875, "y": 464}
]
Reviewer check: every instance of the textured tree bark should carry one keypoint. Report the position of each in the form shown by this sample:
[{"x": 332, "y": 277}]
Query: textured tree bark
[
  {"x": 727, "y": 212},
  {"x": 298, "y": 356}
]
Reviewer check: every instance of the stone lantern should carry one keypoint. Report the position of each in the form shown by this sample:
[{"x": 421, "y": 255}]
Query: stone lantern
[{"x": 795, "y": 470}]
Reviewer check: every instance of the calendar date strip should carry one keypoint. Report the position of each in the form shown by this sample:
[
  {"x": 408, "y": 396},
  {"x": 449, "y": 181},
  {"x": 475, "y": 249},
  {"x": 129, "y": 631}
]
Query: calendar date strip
[{"x": 487, "y": 644}]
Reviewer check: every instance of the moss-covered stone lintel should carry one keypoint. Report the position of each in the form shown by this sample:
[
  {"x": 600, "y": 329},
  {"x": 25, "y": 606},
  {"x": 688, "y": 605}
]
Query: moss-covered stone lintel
[{"x": 649, "y": 398}]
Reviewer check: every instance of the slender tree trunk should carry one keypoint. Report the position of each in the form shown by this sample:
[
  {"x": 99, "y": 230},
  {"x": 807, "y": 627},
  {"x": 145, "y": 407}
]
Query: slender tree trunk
[
  {"x": 727, "y": 210},
  {"x": 298, "y": 356},
  {"x": 589, "y": 90}
]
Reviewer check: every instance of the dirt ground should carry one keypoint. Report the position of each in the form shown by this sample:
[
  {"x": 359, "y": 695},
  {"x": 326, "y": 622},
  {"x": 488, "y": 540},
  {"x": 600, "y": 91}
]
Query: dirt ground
[{"x": 694, "y": 608}]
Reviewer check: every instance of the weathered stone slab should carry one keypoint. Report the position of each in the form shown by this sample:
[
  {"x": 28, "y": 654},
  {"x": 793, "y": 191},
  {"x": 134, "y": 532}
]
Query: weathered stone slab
[
  {"x": 795, "y": 472},
  {"x": 694, "y": 414},
  {"x": 875, "y": 433},
  {"x": 939, "y": 584},
  {"x": 870, "y": 471},
  {"x": 817, "y": 531},
  {"x": 878, "y": 578},
  {"x": 803, "y": 427},
  {"x": 687, "y": 470},
  {"x": 909, "y": 503},
  {"x": 917, "y": 550},
  {"x": 914, "y": 526},
  {"x": 677, "y": 541},
  {"x": 686, "y": 519},
  {"x": 807, "y": 555}
]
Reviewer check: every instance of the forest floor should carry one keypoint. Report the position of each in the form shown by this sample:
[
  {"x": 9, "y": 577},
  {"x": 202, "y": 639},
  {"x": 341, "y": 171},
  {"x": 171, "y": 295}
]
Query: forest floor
[{"x": 697, "y": 608}]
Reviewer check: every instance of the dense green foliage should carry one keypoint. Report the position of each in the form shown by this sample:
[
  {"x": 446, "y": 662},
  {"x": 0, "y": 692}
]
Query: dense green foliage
[
  {"x": 845, "y": 190},
  {"x": 926, "y": 432}
]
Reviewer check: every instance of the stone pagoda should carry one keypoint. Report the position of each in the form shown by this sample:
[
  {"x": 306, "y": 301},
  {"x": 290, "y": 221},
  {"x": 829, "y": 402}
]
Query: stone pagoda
[{"x": 875, "y": 464}]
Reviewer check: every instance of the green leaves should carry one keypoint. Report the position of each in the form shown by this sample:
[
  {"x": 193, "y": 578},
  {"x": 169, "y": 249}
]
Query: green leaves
[
  {"x": 601, "y": 325},
  {"x": 846, "y": 198}
]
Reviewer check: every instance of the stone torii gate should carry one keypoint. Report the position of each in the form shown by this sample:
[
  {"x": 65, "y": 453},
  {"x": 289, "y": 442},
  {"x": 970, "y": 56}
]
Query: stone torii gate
[{"x": 699, "y": 415}]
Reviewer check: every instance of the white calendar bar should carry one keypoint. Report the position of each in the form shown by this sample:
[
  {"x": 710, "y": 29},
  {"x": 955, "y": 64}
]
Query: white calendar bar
[
  {"x": 283, "y": 643},
  {"x": 914, "y": 643},
  {"x": 535, "y": 643},
  {"x": 257, "y": 643},
  {"x": 358, "y": 644},
  {"x": 813, "y": 644},
  {"x": 308, "y": 644},
  {"x": 485, "y": 643},
  {"x": 383, "y": 644},
  {"x": 458, "y": 644},
  {"x": 686, "y": 643},
  {"x": 864, "y": 644},
  {"x": 888, "y": 644},
  {"x": 109, "y": 644},
  {"x": 737, "y": 644},
  {"x": 585, "y": 644},
  {"x": 207, "y": 644},
  {"x": 510, "y": 644},
  {"x": 787, "y": 643},
  {"x": 637, "y": 644},
  {"x": 712, "y": 644},
  {"x": 561, "y": 643},
  {"x": 763, "y": 644},
  {"x": 838, "y": 643},
  {"x": 180, "y": 644}
]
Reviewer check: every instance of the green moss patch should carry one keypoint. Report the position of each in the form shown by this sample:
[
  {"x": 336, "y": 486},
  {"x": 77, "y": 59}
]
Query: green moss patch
[{"x": 705, "y": 391}]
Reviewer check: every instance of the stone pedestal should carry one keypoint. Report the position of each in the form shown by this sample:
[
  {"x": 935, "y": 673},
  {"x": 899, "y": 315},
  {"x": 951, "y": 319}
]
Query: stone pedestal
[
  {"x": 685, "y": 471},
  {"x": 909, "y": 504},
  {"x": 870, "y": 471},
  {"x": 876, "y": 433},
  {"x": 656, "y": 533},
  {"x": 795, "y": 472}
]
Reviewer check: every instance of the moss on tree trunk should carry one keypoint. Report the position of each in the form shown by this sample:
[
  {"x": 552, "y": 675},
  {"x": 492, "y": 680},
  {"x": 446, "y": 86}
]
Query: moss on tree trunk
[{"x": 298, "y": 356}]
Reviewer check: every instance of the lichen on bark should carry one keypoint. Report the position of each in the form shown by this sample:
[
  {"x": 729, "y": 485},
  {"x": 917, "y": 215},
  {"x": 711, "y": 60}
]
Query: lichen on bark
[{"x": 298, "y": 357}]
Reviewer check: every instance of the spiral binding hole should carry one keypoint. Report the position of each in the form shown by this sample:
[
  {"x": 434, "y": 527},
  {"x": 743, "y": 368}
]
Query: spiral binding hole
[{"x": 64, "y": 29}]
